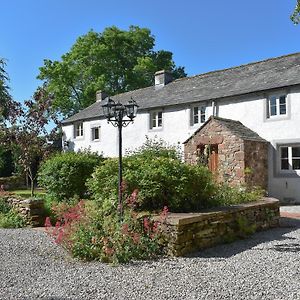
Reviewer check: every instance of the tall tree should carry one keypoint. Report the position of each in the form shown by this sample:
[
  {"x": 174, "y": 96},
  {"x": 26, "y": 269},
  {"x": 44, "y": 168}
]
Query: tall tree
[
  {"x": 295, "y": 17},
  {"x": 30, "y": 135},
  {"x": 115, "y": 61},
  {"x": 28, "y": 138},
  {"x": 9, "y": 110},
  {"x": 8, "y": 107}
]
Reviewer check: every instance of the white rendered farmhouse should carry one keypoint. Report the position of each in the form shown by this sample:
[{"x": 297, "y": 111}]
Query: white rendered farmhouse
[{"x": 264, "y": 96}]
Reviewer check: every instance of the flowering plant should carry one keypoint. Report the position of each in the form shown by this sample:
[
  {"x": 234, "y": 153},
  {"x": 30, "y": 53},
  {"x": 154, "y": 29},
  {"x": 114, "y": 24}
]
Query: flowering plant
[
  {"x": 68, "y": 219},
  {"x": 90, "y": 233}
]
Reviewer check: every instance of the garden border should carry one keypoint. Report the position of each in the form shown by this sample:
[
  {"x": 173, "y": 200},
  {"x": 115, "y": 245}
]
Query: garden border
[{"x": 190, "y": 232}]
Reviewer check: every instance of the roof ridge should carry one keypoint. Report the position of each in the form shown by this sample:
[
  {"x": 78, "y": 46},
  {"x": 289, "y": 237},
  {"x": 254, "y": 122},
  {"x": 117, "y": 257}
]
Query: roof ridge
[
  {"x": 212, "y": 72},
  {"x": 216, "y": 84},
  {"x": 237, "y": 67}
]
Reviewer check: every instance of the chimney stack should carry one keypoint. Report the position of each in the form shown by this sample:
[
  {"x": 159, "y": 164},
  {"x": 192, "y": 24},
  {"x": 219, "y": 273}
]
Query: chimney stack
[
  {"x": 162, "y": 78},
  {"x": 100, "y": 95}
]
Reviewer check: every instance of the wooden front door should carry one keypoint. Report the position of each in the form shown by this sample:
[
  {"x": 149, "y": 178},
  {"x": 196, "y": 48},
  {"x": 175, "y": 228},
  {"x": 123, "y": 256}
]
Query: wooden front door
[{"x": 213, "y": 158}]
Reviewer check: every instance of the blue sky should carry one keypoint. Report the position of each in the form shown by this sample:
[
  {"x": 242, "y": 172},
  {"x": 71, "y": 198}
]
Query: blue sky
[{"x": 203, "y": 35}]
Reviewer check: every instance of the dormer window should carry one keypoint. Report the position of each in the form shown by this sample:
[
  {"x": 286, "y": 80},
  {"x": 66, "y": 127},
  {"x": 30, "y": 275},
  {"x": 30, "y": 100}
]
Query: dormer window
[
  {"x": 78, "y": 130},
  {"x": 198, "y": 115},
  {"x": 156, "y": 120}
]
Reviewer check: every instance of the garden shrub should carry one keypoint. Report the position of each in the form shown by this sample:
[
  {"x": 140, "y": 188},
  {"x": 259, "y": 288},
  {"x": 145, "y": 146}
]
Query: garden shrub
[
  {"x": 156, "y": 170},
  {"x": 156, "y": 148},
  {"x": 154, "y": 177},
  {"x": 6, "y": 162},
  {"x": 12, "y": 182},
  {"x": 225, "y": 195},
  {"x": 161, "y": 181},
  {"x": 4, "y": 206},
  {"x": 9, "y": 218},
  {"x": 90, "y": 234},
  {"x": 64, "y": 175}
]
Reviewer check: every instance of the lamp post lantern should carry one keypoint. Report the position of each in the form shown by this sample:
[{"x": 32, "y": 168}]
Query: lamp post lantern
[{"x": 119, "y": 115}]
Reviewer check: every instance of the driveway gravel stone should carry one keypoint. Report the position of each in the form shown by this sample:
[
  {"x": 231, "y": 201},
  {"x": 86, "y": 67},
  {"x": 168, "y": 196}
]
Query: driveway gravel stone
[{"x": 265, "y": 266}]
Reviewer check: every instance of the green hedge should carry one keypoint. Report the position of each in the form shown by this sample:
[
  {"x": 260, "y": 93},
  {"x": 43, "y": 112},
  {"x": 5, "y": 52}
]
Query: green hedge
[
  {"x": 160, "y": 180},
  {"x": 64, "y": 175}
]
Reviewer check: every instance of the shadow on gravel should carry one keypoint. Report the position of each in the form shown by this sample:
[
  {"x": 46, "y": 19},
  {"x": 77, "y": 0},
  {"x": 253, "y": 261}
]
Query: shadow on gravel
[
  {"x": 287, "y": 225},
  {"x": 287, "y": 247},
  {"x": 49, "y": 298}
]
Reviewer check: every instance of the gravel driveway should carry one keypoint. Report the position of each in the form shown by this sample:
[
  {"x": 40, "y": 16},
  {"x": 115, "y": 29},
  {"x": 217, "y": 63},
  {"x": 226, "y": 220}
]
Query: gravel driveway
[{"x": 266, "y": 266}]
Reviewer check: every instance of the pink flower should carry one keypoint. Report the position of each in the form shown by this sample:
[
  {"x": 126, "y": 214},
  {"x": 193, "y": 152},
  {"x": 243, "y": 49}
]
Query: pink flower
[
  {"x": 136, "y": 237},
  {"x": 165, "y": 210},
  {"x": 125, "y": 228},
  {"x": 155, "y": 227},
  {"x": 146, "y": 224},
  {"x": 48, "y": 223},
  {"x": 164, "y": 214},
  {"x": 131, "y": 201},
  {"x": 109, "y": 251},
  {"x": 59, "y": 237}
]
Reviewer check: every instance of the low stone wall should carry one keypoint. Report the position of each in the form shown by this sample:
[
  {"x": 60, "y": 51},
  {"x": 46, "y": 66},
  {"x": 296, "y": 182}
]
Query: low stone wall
[
  {"x": 190, "y": 232},
  {"x": 33, "y": 210}
]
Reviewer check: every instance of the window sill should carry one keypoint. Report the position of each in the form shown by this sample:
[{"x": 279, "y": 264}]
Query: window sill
[
  {"x": 155, "y": 129},
  {"x": 195, "y": 126},
  {"x": 288, "y": 174},
  {"x": 278, "y": 118},
  {"x": 79, "y": 138}
]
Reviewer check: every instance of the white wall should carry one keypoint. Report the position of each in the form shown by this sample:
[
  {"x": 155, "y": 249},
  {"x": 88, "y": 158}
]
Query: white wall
[
  {"x": 175, "y": 131},
  {"x": 250, "y": 110}
]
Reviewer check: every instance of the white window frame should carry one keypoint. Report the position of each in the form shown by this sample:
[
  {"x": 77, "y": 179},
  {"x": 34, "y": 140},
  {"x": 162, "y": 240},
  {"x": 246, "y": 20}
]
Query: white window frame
[
  {"x": 200, "y": 115},
  {"x": 78, "y": 130},
  {"x": 289, "y": 158},
  {"x": 276, "y": 97},
  {"x": 156, "y": 119},
  {"x": 93, "y": 130}
]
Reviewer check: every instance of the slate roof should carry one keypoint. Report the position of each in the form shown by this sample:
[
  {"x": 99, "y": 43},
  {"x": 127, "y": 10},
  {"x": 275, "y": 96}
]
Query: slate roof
[
  {"x": 236, "y": 127},
  {"x": 268, "y": 74}
]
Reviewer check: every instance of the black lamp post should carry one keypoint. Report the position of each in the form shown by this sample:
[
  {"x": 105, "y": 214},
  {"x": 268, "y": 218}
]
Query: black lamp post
[{"x": 119, "y": 115}]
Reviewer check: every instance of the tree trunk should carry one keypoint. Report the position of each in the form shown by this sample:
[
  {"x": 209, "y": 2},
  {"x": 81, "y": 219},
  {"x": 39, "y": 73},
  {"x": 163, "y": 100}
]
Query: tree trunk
[
  {"x": 32, "y": 188},
  {"x": 31, "y": 182}
]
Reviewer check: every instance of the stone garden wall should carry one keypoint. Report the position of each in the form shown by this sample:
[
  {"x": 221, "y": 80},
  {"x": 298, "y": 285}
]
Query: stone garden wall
[
  {"x": 33, "y": 210},
  {"x": 190, "y": 232}
]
